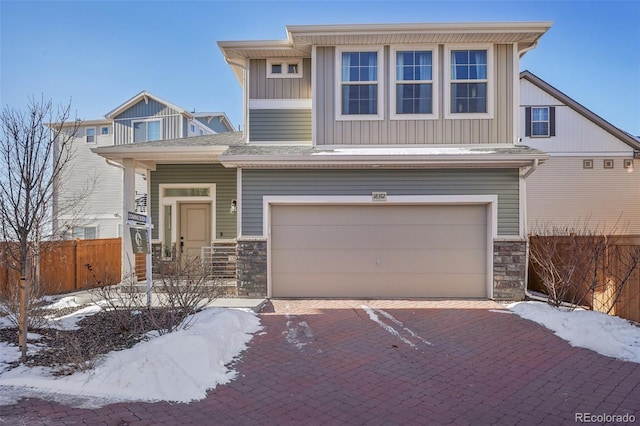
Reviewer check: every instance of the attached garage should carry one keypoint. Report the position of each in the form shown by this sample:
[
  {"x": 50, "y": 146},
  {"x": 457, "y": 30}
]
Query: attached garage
[{"x": 379, "y": 250}]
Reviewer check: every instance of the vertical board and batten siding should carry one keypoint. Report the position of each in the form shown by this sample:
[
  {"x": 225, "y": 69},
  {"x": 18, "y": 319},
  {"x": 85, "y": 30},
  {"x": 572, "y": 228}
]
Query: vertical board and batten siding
[
  {"x": 225, "y": 180},
  {"x": 562, "y": 193},
  {"x": 574, "y": 132},
  {"x": 259, "y": 183},
  {"x": 172, "y": 121},
  {"x": 436, "y": 131},
  {"x": 214, "y": 124},
  {"x": 261, "y": 87}
]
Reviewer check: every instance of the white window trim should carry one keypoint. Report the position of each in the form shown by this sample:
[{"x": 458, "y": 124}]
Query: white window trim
[
  {"x": 338, "y": 84},
  {"x": 95, "y": 135},
  {"x": 105, "y": 127},
  {"x": 133, "y": 122},
  {"x": 285, "y": 62},
  {"x": 434, "y": 82},
  {"x": 548, "y": 121},
  {"x": 490, "y": 82}
]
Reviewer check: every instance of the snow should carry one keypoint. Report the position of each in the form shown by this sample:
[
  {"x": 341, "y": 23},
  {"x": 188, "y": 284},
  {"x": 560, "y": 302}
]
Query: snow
[
  {"x": 405, "y": 151},
  {"x": 181, "y": 366},
  {"x": 178, "y": 367},
  {"x": 601, "y": 333}
]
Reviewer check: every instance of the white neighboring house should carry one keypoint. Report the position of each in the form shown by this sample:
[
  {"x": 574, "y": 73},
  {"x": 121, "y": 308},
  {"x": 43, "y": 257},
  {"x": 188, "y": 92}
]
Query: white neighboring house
[
  {"x": 592, "y": 178},
  {"x": 143, "y": 118}
]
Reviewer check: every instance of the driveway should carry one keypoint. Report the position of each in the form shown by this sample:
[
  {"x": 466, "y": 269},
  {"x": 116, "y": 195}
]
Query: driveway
[{"x": 389, "y": 362}]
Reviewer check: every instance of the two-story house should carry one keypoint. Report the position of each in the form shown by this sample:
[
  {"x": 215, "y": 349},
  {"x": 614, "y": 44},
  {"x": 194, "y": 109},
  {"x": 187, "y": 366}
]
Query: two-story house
[
  {"x": 376, "y": 161},
  {"x": 88, "y": 200},
  {"x": 591, "y": 182}
]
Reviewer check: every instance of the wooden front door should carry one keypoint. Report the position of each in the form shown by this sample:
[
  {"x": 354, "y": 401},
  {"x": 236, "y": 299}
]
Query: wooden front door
[{"x": 195, "y": 228}]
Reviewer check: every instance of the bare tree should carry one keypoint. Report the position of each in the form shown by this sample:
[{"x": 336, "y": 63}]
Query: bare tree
[{"x": 36, "y": 148}]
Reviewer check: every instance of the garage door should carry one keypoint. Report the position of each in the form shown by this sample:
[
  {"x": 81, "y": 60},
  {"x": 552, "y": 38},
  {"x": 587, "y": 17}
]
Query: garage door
[{"x": 378, "y": 251}]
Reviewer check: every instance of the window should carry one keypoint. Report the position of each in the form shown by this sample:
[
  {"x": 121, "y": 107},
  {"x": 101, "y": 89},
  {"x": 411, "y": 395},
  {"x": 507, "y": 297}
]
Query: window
[
  {"x": 412, "y": 96},
  {"x": 147, "y": 131},
  {"x": 192, "y": 127},
  {"x": 187, "y": 192},
  {"x": 104, "y": 130},
  {"x": 201, "y": 132},
  {"x": 90, "y": 134},
  {"x": 360, "y": 88},
  {"x": 540, "y": 122},
  {"x": 85, "y": 232},
  {"x": 469, "y": 81},
  {"x": 284, "y": 68}
]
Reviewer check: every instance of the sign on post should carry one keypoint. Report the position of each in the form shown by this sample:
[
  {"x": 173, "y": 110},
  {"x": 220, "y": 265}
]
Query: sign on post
[{"x": 139, "y": 240}]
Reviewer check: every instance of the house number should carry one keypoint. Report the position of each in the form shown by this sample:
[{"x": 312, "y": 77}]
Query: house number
[{"x": 379, "y": 196}]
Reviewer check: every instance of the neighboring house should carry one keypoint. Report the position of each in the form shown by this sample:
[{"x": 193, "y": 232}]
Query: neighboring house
[
  {"x": 591, "y": 182},
  {"x": 89, "y": 202},
  {"x": 376, "y": 161}
]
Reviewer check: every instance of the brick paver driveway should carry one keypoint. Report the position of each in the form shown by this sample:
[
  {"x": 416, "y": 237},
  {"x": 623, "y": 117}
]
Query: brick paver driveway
[{"x": 389, "y": 362}]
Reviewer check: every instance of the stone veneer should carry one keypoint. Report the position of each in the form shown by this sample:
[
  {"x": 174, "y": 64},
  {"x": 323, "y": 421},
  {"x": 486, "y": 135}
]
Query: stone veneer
[
  {"x": 252, "y": 267},
  {"x": 509, "y": 269}
]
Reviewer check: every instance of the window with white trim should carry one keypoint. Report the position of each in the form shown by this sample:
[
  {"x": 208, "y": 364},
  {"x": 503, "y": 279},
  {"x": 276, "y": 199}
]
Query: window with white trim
[
  {"x": 284, "y": 68},
  {"x": 469, "y": 80},
  {"x": 359, "y": 72},
  {"x": 413, "y": 76},
  {"x": 85, "y": 232},
  {"x": 90, "y": 134},
  {"x": 540, "y": 121},
  {"x": 147, "y": 130},
  {"x": 104, "y": 130}
]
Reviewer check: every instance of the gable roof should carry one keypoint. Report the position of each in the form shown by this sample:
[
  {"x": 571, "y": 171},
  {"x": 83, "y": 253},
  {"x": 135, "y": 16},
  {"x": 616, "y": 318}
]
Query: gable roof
[
  {"x": 144, "y": 96},
  {"x": 580, "y": 109},
  {"x": 220, "y": 116}
]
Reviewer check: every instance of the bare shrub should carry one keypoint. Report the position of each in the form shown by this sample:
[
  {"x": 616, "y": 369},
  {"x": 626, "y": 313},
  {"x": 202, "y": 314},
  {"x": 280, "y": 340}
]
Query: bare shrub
[{"x": 582, "y": 266}]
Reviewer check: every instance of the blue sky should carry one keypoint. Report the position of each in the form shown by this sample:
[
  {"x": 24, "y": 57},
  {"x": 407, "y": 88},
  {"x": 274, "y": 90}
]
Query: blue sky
[{"x": 101, "y": 53}]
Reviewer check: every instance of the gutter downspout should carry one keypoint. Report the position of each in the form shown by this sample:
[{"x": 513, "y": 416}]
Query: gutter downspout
[
  {"x": 114, "y": 164},
  {"x": 528, "y": 295},
  {"x": 245, "y": 103}
]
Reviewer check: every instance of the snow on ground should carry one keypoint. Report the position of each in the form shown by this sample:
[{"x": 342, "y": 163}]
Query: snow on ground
[
  {"x": 604, "y": 334},
  {"x": 179, "y": 366}
]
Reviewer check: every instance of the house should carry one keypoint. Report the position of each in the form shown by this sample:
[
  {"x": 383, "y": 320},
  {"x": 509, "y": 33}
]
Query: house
[
  {"x": 591, "y": 182},
  {"x": 375, "y": 161},
  {"x": 88, "y": 203}
]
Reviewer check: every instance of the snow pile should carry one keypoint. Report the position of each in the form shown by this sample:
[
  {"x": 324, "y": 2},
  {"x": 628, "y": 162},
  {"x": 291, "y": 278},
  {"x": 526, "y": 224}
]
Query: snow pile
[
  {"x": 604, "y": 334},
  {"x": 179, "y": 366}
]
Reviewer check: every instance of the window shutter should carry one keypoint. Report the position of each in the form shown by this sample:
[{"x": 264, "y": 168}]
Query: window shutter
[
  {"x": 527, "y": 121},
  {"x": 552, "y": 121}
]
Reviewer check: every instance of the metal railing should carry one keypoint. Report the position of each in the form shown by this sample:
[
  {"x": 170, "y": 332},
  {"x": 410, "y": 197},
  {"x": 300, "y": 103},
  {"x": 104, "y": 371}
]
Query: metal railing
[{"x": 221, "y": 259}]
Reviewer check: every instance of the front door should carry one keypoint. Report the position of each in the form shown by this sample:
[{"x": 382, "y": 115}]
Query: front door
[{"x": 195, "y": 228}]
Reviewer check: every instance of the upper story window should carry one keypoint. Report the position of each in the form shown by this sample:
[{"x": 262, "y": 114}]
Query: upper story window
[
  {"x": 284, "y": 68},
  {"x": 148, "y": 130},
  {"x": 104, "y": 130},
  {"x": 85, "y": 232},
  {"x": 360, "y": 90},
  {"x": 413, "y": 76},
  {"x": 192, "y": 128},
  {"x": 540, "y": 122},
  {"x": 469, "y": 77}
]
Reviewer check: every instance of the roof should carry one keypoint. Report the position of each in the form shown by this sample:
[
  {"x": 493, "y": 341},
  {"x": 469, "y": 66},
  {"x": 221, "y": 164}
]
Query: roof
[
  {"x": 194, "y": 149},
  {"x": 580, "y": 109},
  {"x": 144, "y": 95},
  {"x": 297, "y": 156},
  {"x": 301, "y": 38},
  {"x": 219, "y": 115}
]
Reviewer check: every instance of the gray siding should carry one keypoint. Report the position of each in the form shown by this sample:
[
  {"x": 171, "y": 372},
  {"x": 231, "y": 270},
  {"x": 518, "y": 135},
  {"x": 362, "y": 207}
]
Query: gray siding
[
  {"x": 503, "y": 182},
  {"x": 225, "y": 180},
  {"x": 261, "y": 87},
  {"x": 214, "y": 124},
  {"x": 280, "y": 125},
  {"x": 437, "y": 131},
  {"x": 171, "y": 121}
]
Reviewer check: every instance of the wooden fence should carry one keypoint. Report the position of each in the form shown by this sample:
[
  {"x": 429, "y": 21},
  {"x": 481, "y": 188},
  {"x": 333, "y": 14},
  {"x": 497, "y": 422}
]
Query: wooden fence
[
  {"x": 618, "y": 250},
  {"x": 64, "y": 265}
]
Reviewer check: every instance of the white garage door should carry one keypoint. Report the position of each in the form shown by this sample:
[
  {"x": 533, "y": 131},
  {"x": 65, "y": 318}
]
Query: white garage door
[{"x": 378, "y": 251}]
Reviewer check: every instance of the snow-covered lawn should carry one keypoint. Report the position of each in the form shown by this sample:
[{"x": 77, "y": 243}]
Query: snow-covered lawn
[{"x": 181, "y": 366}]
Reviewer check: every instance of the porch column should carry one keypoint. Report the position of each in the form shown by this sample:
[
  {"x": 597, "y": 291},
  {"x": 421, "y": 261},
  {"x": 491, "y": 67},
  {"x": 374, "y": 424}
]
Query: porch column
[{"x": 128, "y": 205}]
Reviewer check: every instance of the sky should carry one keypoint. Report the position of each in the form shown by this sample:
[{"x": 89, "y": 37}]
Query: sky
[
  {"x": 220, "y": 335},
  {"x": 99, "y": 54}
]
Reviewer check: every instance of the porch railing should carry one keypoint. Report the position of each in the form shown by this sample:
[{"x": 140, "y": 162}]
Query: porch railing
[{"x": 221, "y": 259}]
